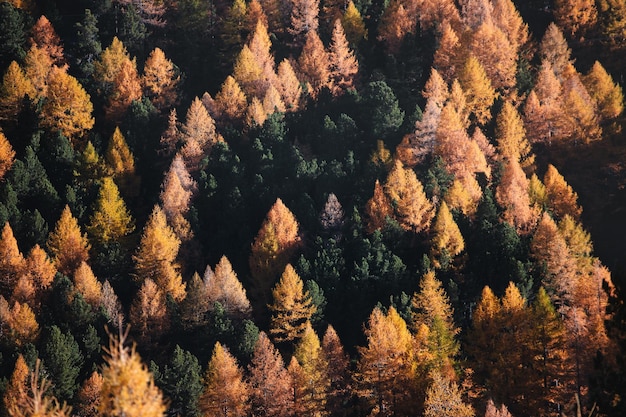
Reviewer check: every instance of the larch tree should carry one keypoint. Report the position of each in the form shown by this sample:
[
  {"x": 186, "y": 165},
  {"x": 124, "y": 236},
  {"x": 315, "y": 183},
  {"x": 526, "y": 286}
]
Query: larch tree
[
  {"x": 160, "y": 80},
  {"x": 304, "y": 19},
  {"x": 343, "y": 64},
  {"x": 543, "y": 112},
  {"x": 607, "y": 94},
  {"x": 15, "y": 88},
  {"x": 338, "y": 371},
  {"x": 196, "y": 304},
  {"x": 170, "y": 138},
  {"x": 433, "y": 12},
  {"x": 554, "y": 49},
  {"x": 512, "y": 195},
  {"x": 288, "y": 86},
  {"x": 493, "y": 411},
  {"x": 254, "y": 15},
  {"x": 67, "y": 109},
  {"x": 37, "y": 66},
  {"x": 274, "y": 246},
  {"x": 175, "y": 201},
  {"x": 198, "y": 135},
  {"x": 447, "y": 241},
  {"x": 314, "y": 64},
  {"x": 580, "y": 119},
  {"x": 353, "y": 24},
  {"x": 87, "y": 285},
  {"x": 255, "y": 113},
  {"x": 377, "y": 209},
  {"x": 226, "y": 394},
  {"x": 561, "y": 198},
  {"x": 7, "y": 155},
  {"x": 443, "y": 398},
  {"x": 412, "y": 208},
  {"x": 12, "y": 262},
  {"x": 332, "y": 216},
  {"x": 128, "y": 387},
  {"x": 149, "y": 315},
  {"x": 506, "y": 17},
  {"x": 298, "y": 387},
  {"x": 385, "y": 369},
  {"x": 231, "y": 29},
  {"x": 110, "y": 220},
  {"x": 292, "y": 307},
  {"x": 493, "y": 50},
  {"x": 45, "y": 37},
  {"x": 18, "y": 323},
  {"x": 314, "y": 366},
  {"x": 269, "y": 381},
  {"x": 37, "y": 278},
  {"x": 224, "y": 287},
  {"x": 395, "y": 23},
  {"x": 260, "y": 46},
  {"x": 16, "y": 391},
  {"x": 88, "y": 397},
  {"x": 475, "y": 12},
  {"x": 156, "y": 257},
  {"x": 448, "y": 58},
  {"x": 111, "y": 305},
  {"x": 272, "y": 103},
  {"x": 479, "y": 92},
  {"x": 248, "y": 73},
  {"x": 230, "y": 101},
  {"x": 121, "y": 164},
  {"x": 126, "y": 88},
  {"x": 511, "y": 136},
  {"x": 576, "y": 17},
  {"x": 109, "y": 64},
  {"x": 68, "y": 246}
]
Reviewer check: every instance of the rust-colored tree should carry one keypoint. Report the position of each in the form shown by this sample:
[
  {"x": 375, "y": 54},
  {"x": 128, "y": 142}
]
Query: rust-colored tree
[
  {"x": 198, "y": 135},
  {"x": 314, "y": 64},
  {"x": 224, "y": 287},
  {"x": 87, "y": 285},
  {"x": 607, "y": 94},
  {"x": 343, "y": 64},
  {"x": 12, "y": 262},
  {"x": 561, "y": 198},
  {"x": 45, "y": 37}
]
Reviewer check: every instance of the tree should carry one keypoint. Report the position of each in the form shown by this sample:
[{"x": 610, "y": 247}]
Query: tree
[
  {"x": 274, "y": 246},
  {"x": 111, "y": 304},
  {"x": 303, "y": 19},
  {"x": 128, "y": 387},
  {"x": 332, "y": 216},
  {"x": 198, "y": 135},
  {"x": 576, "y": 17},
  {"x": 121, "y": 164},
  {"x": 512, "y": 195},
  {"x": 493, "y": 411},
  {"x": 292, "y": 307},
  {"x": 254, "y": 15},
  {"x": 508, "y": 19},
  {"x": 511, "y": 136},
  {"x": 109, "y": 64},
  {"x": 382, "y": 106},
  {"x": 170, "y": 138},
  {"x": 260, "y": 45},
  {"x": 230, "y": 102},
  {"x": 385, "y": 370},
  {"x": 449, "y": 55},
  {"x": 15, "y": 88},
  {"x": 16, "y": 391},
  {"x": 314, "y": 64},
  {"x": 607, "y": 94},
  {"x": 269, "y": 381},
  {"x": 181, "y": 381},
  {"x": 37, "y": 65},
  {"x": 175, "y": 201},
  {"x": 543, "y": 111},
  {"x": 38, "y": 275},
  {"x": 18, "y": 323},
  {"x": 315, "y": 371},
  {"x": 148, "y": 314},
  {"x": 353, "y": 24},
  {"x": 561, "y": 198},
  {"x": 126, "y": 88},
  {"x": 12, "y": 262},
  {"x": 88, "y": 47},
  {"x": 378, "y": 209},
  {"x": 67, "y": 245},
  {"x": 479, "y": 93},
  {"x": 412, "y": 208},
  {"x": 447, "y": 240},
  {"x": 580, "y": 121},
  {"x": 272, "y": 102},
  {"x": 67, "y": 108},
  {"x": 288, "y": 86},
  {"x": 87, "y": 285},
  {"x": 338, "y": 368},
  {"x": 110, "y": 220},
  {"x": 88, "y": 397},
  {"x": 224, "y": 287},
  {"x": 255, "y": 113},
  {"x": 443, "y": 399},
  {"x": 395, "y": 23},
  {"x": 554, "y": 49},
  {"x": 248, "y": 73},
  {"x": 226, "y": 393},
  {"x": 12, "y": 36},
  {"x": 232, "y": 26},
  {"x": 343, "y": 64},
  {"x": 156, "y": 256},
  {"x": 44, "y": 36},
  {"x": 160, "y": 80},
  {"x": 63, "y": 361},
  {"x": 492, "y": 49},
  {"x": 7, "y": 155}
]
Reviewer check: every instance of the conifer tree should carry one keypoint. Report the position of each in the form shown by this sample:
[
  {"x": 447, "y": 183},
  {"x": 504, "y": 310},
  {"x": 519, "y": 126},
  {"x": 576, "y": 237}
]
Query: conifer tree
[
  {"x": 255, "y": 113},
  {"x": 288, "y": 86},
  {"x": 175, "y": 200},
  {"x": 561, "y": 198},
  {"x": 412, "y": 208},
  {"x": 511, "y": 136},
  {"x": 272, "y": 102},
  {"x": 607, "y": 94},
  {"x": 156, "y": 256},
  {"x": 448, "y": 59},
  {"x": 44, "y": 36},
  {"x": 160, "y": 80},
  {"x": 343, "y": 64},
  {"x": 149, "y": 314},
  {"x": 304, "y": 19},
  {"x": 224, "y": 287},
  {"x": 121, "y": 164},
  {"x": 492, "y": 49},
  {"x": 231, "y": 30},
  {"x": 110, "y": 220},
  {"x": 18, "y": 323},
  {"x": 12, "y": 262},
  {"x": 87, "y": 285},
  {"x": 67, "y": 245},
  {"x": 377, "y": 209},
  {"x": 248, "y": 73},
  {"x": 443, "y": 398},
  {"x": 196, "y": 304},
  {"x": 576, "y": 17},
  {"x": 15, "y": 87},
  {"x": 554, "y": 49},
  {"x": 198, "y": 135},
  {"x": 128, "y": 386},
  {"x": 68, "y": 107},
  {"x": 314, "y": 366},
  {"x": 230, "y": 101},
  {"x": 292, "y": 308},
  {"x": 513, "y": 196},
  {"x": 314, "y": 64},
  {"x": 506, "y": 17},
  {"x": 353, "y": 25},
  {"x": 170, "y": 138},
  {"x": 580, "y": 118},
  {"x": 395, "y": 23},
  {"x": 447, "y": 240},
  {"x": 37, "y": 66},
  {"x": 126, "y": 88},
  {"x": 254, "y": 15},
  {"x": 479, "y": 93},
  {"x": 16, "y": 391},
  {"x": 7, "y": 155},
  {"x": 260, "y": 45},
  {"x": 270, "y": 383},
  {"x": 226, "y": 393},
  {"x": 88, "y": 397},
  {"x": 109, "y": 64}
]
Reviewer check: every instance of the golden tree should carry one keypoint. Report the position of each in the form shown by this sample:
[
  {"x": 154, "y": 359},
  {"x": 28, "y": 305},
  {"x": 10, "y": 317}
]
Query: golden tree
[
  {"x": 121, "y": 164},
  {"x": 175, "y": 201},
  {"x": 448, "y": 59},
  {"x": 443, "y": 398},
  {"x": 197, "y": 134},
  {"x": 88, "y": 397},
  {"x": 110, "y": 63},
  {"x": 126, "y": 89},
  {"x": 479, "y": 92},
  {"x": 506, "y": 17},
  {"x": 314, "y": 367},
  {"x": 148, "y": 314},
  {"x": 226, "y": 393},
  {"x": 255, "y": 113},
  {"x": 395, "y": 23},
  {"x": 18, "y": 323},
  {"x": 303, "y": 19},
  {"x": 230, "y": 101},
  {"x": 292, "y": 308},
  {"x": 110, "y": 220},
  {"x": 561, "y": 198},
  {"x": 288, "y": 86},
  {"x": 224, "y": 287},
  {"x": 87, "y": 285},
  {"x": 128, "y": 387},
  {"x": 248, "y": 73},
  {"x": 576, "y": 16},
  {"x": 353, "y": 24},
  {"x": 12, "y": 262},
  {"x": 260, "y": 45},
  {"x": 343, "y": 64},
  {"x": 7, "y": 155},
  {"x": 447, "y": 241},
  {"x": 160, "y": 80},
  {"x": 16, "y": 391},
  {"x": 492, "y": 49},
  {"x": 554, "y": 49},
  {"x": 156, "y": 256},
  {"x": 377, "y": 209},
  {"x": 314, "y": 64},
  {"x": 580, "y": 117},
  {"x": 513, "y": 196},
  {"x": 15, "y": 88},
  {"x": 45, "y": 37},
  {"x": 67, "y": 245},
  {"x": 272, "y": 103},
  {"x": 607, "y": 94},
  {"x": 68, "y": 107},
  {"x": 37, "y": 66},
  {"x": 511, "y": 136}
]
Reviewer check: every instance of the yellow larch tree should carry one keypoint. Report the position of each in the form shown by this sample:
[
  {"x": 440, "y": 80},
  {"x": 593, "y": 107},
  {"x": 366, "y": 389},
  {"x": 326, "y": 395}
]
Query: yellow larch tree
[
  {"x": 272, "y": 103},
  {"x": 230, "y": 101},
  {"x": 128, "y": 387},
  {"x": 492, "y": 49},
  {"x": 353, "y": 24},
  {"x": 444, "y": 398},
  {"x": 7, "y": 155},
  {"x": 448, "y": 59},
  {"x": 607, "y": 94},
  {"x": 226, "y": 393},
  {"x": 67, "y": 245},
  {"x": 511, "y": 136},
  {"x": 16, "y": 391},
  {"x": 87, "y": 285},
  {"x": 15, "y": 88},
  {"x": 175, "y": 201},
  {"x": 160, "y": 80},
  {"x": 110, "y": 220},
  {"x": 260, "y": 46},
  {"x": 156, "y": 257},
  {"x": 126, "y": 89},
  {"x": 289, "y": 86},
  {"x": 561, "y": 198},
  {"x": 121, "y": 164},
  {"x": 248, "y": 73},
  {"x": 224, "y": 287},
  {"x": 110, "y": 63},
  {"x": 255, "y": 113},
  {"x": 292, "y": 307},
  {"x": 149, "y": 314},
  {"x": 36, "y": 279},
  {"x": 45, "y": 37},
  {"x": 18, "y": 323},
  {"x": 314, "y": 366},
  {"x": 67, "y": 108},
  {"x": 12, "y": 262},
  {"x": 479, "y": 92},
  {"x": 411, "y": 207},
  {"x": 581, "y": 122},
  {"x": 447, "y": 241},
  {"x": 37, "y": 66},
  {"x": 506, "y": 17}
]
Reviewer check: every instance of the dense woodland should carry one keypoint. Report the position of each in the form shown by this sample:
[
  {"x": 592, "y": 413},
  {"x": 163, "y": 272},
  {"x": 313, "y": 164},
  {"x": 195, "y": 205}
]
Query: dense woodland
[{"x": 308, "y": 208}]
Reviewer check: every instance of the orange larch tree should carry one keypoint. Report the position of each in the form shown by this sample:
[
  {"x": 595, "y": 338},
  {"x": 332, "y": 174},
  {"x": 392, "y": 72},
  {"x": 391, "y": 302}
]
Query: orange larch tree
[
  {"x": 576, "y": 17},
  {"x": 230, "y": 101},
  {"x": 149, "y": 314},
  {"x": 561, "y": 198},
  {"x": 607, "y": 94},
  {"x": 37, "y": 66},
  {"x": 12, "y": 262},
  {"x": 272, "y": 103},
  {"x": 304, "y": 19},
  {"x": 496, "y": 54},
  {"x": 448, "y": 59},
  {"x": 126, "y": 89},
  {"x": 314, "y": 64},
  {"x": 67, "y": 245},
  {"x": 377, "y": 209},
  {"x": 7, "y": 155},
  {"x": 512, "y": 195},
  {"x": 554, "y": 49},
  {"x": 160, "y": 80},
  {"x": 87, "y": 285},
  {"x": 288, "y": 86},
  {"x": 198, "y": 135},
  {"x": 45, "y": 37},
  {"x": 343, "y": 64}
]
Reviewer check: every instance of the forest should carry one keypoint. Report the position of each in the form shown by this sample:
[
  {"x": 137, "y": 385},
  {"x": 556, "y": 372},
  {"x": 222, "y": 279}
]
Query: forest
[{"x": 319, "y": 208}]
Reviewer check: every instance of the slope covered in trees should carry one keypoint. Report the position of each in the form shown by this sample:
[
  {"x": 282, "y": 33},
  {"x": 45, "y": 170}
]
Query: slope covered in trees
[{"x": 310, "y": 208}]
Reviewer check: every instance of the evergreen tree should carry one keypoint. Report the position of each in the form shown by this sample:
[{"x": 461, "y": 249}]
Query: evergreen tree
[{"x": 63, "y": 360}]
